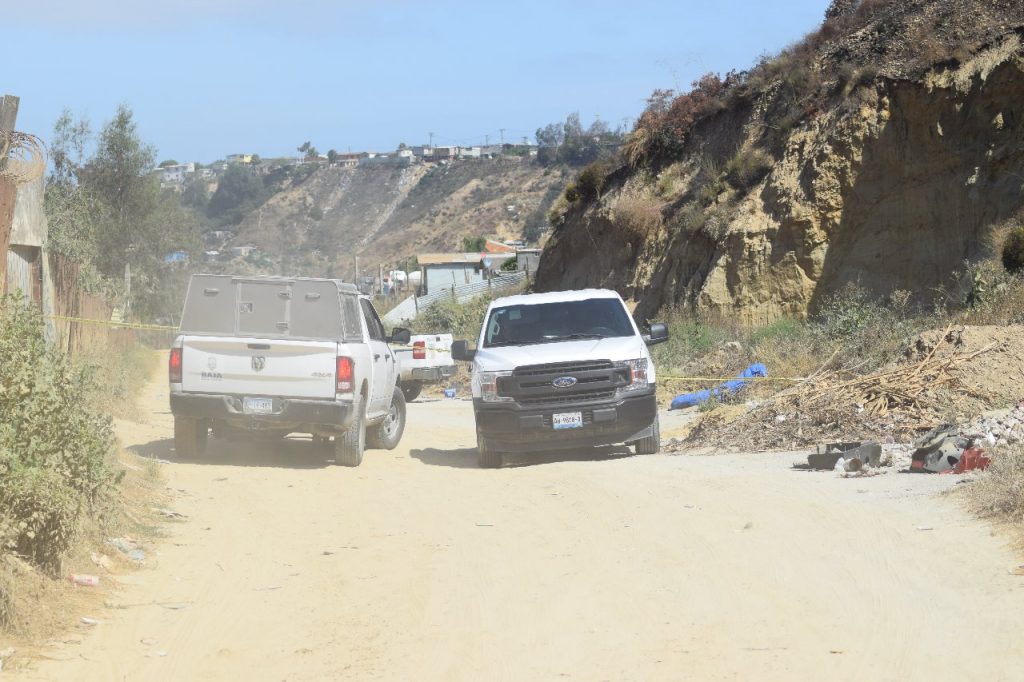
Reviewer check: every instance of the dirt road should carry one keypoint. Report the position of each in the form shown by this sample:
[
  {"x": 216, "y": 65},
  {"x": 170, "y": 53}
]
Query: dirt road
[{"x": 419, "y": 566}]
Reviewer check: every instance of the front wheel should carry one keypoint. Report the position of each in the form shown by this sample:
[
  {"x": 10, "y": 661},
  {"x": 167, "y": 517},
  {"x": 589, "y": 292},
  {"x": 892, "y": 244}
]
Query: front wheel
[
  {"x": 486, "y": 456},
  {"x": 190, "y": 437},
  {"x": 650, "y": 445},
  {"x": 411, "y": 390},
  {"x": 349, "y": 446},
  {"x": 385, "y": 436}
]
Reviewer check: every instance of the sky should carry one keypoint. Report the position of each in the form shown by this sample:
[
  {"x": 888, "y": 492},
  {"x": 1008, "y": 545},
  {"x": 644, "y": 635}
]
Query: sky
[{"x": 206, "y": 78}]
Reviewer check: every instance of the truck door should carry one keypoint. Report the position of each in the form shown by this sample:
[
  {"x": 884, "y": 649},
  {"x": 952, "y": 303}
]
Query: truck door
[{"x": 383, "y": 362}]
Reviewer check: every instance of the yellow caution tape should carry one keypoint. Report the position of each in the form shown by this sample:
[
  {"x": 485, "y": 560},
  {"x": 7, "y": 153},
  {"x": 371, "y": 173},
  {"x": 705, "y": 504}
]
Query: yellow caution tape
[{"x": 108, "y": 323}]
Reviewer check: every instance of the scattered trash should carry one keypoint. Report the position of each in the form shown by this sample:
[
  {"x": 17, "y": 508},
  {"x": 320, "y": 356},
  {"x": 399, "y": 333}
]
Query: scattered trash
[
  {"x": 85, "y": 620},
  {"x": 128, "y": 547},
  {"x": 326, "y": 552},
  {"x": 170, "y": 513},
  {"x": 101, "y": 560},
  {"x": 845, "y": 457},
  {"x": 84, "y": 579},
  {"x": 925, "y": 528},
  {"x": 147, "y": 641},
  {"x": 449, "y": 393},
  {"x": 728, "y": 388}
]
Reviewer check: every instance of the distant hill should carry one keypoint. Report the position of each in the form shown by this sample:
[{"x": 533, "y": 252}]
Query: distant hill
[{"x": 385, "y": 215}]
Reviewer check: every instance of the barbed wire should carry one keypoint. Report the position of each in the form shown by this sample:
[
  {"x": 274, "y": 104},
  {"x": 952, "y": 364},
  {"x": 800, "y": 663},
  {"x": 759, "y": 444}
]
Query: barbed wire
[{"x": 22, "y": 157}]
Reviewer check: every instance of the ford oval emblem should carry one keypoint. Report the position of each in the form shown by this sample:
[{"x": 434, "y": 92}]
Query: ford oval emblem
[{"x": 564, "y": 382}]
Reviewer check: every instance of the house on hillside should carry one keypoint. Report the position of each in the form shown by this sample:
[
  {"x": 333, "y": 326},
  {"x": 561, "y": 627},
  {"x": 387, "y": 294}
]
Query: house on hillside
[
  {"x": 238, "y": 158},
  {"x": 445, "y": 270},
  {"x": 469, "y": 152},
  {"x": 175, "y": 175}
]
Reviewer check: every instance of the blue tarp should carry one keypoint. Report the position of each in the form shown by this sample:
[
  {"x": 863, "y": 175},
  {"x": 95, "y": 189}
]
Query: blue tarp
[{"x": 698, "y": 397}]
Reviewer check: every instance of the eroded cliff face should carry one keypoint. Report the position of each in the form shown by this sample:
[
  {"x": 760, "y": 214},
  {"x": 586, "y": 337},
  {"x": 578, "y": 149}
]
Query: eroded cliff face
[{"x": 893, "y": 188}]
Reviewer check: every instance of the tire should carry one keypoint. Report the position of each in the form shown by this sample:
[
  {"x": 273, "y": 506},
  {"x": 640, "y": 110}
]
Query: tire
[
  {"x": 411, "y": 390},
  {"x": 486, "y": 456},
  {"x": 651, "y": 445},
  {"x": 190, "y": 436},
  {"x": 349, "y": 446},
  {"x": 387, "y": 434}
]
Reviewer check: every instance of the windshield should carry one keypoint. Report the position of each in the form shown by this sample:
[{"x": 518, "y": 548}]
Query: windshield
[{"x": 522, "y": 325}]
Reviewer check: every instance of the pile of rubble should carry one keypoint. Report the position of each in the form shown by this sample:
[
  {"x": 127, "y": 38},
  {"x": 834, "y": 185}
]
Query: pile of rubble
[{"x": 943, "y": 376}]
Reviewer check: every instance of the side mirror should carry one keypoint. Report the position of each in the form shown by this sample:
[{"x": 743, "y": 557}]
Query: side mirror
[
  {"x": 461, "y": 351},
  {"x": 400, "y": 336},
  {"x": 658, "y": 334}
]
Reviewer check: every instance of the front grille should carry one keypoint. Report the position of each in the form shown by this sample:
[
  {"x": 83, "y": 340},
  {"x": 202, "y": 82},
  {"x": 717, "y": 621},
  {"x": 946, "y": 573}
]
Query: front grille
[
  {"x": 532, "y": 385},
  {"x": 567, "y": 399}
]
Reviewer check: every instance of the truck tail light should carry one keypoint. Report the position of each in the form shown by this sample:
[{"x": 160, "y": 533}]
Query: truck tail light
[
  {"x": 345, "y": 375},
  {"x": 419, "y": 350},
  {"x": 174, "y": 366}
]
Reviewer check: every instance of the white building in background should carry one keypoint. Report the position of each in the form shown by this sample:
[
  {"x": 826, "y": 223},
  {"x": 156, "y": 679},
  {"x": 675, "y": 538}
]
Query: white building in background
[{"x": 175, "y": 174}]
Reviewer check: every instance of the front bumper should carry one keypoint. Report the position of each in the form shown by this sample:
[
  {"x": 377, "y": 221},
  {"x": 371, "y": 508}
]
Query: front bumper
[
  {"x": 512, "y": 428},
  {"x": 288, "y": 413}
]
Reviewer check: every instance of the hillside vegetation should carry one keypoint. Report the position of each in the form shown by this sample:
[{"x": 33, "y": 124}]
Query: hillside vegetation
[{"x": 885, "y": 150}]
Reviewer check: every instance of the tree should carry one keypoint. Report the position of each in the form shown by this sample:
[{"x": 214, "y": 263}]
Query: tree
[
  {"x": 119, "y": 178},
  {"x": 474, "y": 244},
  {"x": 238, "y": 193},
  {"x": 305, "y": 147},
  {"x": 332, "y": 156},
  {"x": 549, "y": 139},
  {"x": 168, "y": 162}
]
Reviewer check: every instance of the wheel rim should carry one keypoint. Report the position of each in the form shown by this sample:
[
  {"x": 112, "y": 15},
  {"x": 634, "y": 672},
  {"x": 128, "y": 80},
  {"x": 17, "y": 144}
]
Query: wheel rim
[{"x": 391, "y": 422}]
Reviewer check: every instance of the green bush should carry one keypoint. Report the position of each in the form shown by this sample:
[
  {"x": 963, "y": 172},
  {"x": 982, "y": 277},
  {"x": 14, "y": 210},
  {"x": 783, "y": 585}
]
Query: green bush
[
  {"x": 54, "y": 442},
  {"x": 748, "y": 168},
  {"x": 1013, "y": 251},
  {"x": 463, "y": 320},
  {"x": 591, "y": 181}
]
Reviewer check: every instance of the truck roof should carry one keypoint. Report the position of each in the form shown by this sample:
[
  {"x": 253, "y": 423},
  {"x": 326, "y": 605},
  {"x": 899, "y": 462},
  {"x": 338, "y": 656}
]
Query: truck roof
[
  {"x": 554, "y": 297},
  {"x": 344, "y": 287}
]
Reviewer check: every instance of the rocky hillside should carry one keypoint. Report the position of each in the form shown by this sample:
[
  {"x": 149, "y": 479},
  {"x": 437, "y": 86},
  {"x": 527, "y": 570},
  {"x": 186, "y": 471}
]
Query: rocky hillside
[
  {"x": 881, "y": 150},
  {"x": 385, "y": 214}
]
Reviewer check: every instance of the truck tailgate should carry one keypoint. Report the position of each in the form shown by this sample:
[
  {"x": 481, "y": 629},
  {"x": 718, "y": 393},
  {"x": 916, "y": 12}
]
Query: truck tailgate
[{"x": 259, "y": 367}]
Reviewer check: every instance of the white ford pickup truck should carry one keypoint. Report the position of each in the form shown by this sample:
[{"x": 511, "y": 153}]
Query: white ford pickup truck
[
  {"x": 562, "y": 370},
  {"x": 278, "y": 355}
]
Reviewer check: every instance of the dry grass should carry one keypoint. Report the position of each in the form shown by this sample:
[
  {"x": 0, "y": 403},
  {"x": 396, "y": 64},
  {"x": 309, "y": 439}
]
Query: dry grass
[
  {"x": 638, "y": 217},
  {"x": 999, "y": 492}
]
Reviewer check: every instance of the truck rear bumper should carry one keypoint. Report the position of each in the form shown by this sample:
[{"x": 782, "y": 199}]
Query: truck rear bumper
[
  {"x": 511, "y": 428},
  {"x": 288, "y": 413},
  {"x": 430, "y": 375}
]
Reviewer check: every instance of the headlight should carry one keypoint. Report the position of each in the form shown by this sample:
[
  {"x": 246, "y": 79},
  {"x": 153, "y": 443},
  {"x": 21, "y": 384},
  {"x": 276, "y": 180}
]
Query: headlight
[
  {"x": 489, "y": 387},
  {"x": 637, "y": 374}
]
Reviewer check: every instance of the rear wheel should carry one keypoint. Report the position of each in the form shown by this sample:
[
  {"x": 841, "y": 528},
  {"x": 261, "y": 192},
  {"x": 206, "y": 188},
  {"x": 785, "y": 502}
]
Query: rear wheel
[
  {"x": 486, "y": 456},
  {"x": 385, "y": 436},
  {"x": 651, "y": 445},
  {"x": 349, "y": 446},
  {"x": 190, "y": 436},
  {"x": 411, "y": 390}
]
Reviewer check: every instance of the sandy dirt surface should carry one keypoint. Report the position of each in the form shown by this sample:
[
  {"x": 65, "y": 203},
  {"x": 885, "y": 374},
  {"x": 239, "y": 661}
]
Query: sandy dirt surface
[{"x": 596, "y": 566}]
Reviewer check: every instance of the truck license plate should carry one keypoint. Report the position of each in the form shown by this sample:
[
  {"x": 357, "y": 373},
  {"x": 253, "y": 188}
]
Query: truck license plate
[
  {"x": 567, "y": 420},
  {"x": 257, "y": 405}
]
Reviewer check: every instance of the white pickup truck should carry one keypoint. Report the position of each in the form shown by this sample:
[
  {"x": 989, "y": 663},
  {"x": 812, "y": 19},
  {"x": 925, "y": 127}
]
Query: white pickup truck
[
  {"x": 427, "y": 359},
  {"x": 562, "y": 370},
  {"x": 278, "y": 355}
]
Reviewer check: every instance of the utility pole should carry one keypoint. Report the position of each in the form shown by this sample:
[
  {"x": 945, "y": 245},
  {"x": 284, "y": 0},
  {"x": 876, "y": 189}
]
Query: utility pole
[
  {"x": 431, "y": 140},
  {"x": 356, "y": 278},
  {"x": 502, "y": 139},
  {"x": 8, "y": 190},
  {"x": 487, "y": 140}
]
